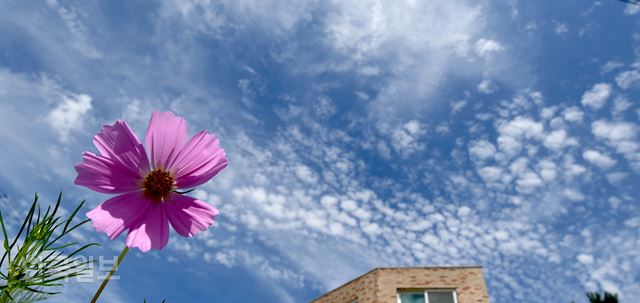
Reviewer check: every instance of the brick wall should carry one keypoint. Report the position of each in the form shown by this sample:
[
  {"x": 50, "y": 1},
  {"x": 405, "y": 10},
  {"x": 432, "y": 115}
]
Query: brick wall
[
  {"x": 361, "y": 289},
  {"x": 381, "y": 284}
]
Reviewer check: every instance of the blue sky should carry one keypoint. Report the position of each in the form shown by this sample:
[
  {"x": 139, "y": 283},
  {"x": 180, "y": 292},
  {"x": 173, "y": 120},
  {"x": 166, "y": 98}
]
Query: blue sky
[{"x": 360, "y": 134}]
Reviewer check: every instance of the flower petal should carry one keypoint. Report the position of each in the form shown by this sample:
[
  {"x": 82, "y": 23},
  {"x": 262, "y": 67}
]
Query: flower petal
[
  {"x": 188, "y": 215},
  {"x": 118, "y": 213},
  {"x": 151, "y": 230},
  {"x": 199, "y": 160},
  {"x": 106, "y": 175},
  {"x": 166, "y": 134},
  {"x": 118, "y": 142},
  {"x": 121, "y": 165}
]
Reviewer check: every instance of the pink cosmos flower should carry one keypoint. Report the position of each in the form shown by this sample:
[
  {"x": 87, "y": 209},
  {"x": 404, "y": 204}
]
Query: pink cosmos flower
[{"x": 147, "y": 200}]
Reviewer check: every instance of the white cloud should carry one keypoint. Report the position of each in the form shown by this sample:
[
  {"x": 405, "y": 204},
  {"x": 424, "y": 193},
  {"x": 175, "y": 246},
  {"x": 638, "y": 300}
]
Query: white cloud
[
  {"x": 458, "y": 105},
  {"x": 556, "y": 140},
  {"x": 547, "y": 170},
  {"x": 305, "y": 174},
  {"x": 514, "y": 133},
  {"x": 611, "y": 65},
  {"x": 325, "y": 107},
  {"x": 482, "y": 149},
  {"x": 362, "y": 95},
  {"x": 597, "y": 96},
  {"x": 490, "y": 173},
  {"x": 364, "y": 29},
  {"x": 614, "y": 131},
  {"x": 548, "y": 112},
  {"x": 620, "y": 105},
  {"x": 397, "y": 223},
  {"x": 519, "y": 166},
  {"x": 622, "y": 137},
  {"x": 266, "y": 269},
  {"x": 628, "y": 79},
  {"x": 433, "y": 42},
  {"x": 69, "y": 114},
  {"x": 561, "y": 28},
  {"x": 509, "y": 145},
  {"x": 573, "y": 194},
  {"x": 487, "y": 87},
  {"x": 573, "y": 114},
  {"x": 599, "y": 159},
  {"x": 406, "y": 139},
  {"x": 486, "y": 47},
  {"x": 73, "y": 21},
  {"x": 369, "y": 71},
  {"x": 464, "y": 211},
  {"x": 213, "y": 17},
  {"x": 443, "y": 128},
  {"x": 631, "y": 9},
  {"x": 328, "y": 201},
  {"x": 528, "y": 181},
  {"x": 616, "y": 177},
  {"x": 522, "y": 127},
  {"x": 26, "y": 133},
  {"x": 585, "y": 259},
  {"x": 349, "y": 205},
  {"x": 571, "y": 169}
]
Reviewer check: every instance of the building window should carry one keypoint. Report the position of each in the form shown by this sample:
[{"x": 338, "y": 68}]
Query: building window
[{"x": 427, "y": 296}]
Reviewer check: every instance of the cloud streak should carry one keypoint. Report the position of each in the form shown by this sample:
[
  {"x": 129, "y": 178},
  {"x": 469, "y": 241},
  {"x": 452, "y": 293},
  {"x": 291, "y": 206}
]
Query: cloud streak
[{"x": 359, "y": 135}]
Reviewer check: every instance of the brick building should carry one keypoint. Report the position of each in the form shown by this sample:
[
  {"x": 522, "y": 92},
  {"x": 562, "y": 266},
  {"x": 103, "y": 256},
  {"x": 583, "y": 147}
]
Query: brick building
[{"x": 413, "y": 285}]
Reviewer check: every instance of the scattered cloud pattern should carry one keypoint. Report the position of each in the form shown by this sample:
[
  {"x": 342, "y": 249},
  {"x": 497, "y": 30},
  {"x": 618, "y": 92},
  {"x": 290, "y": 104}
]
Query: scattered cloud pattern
[{"x": 359, "y": 134}]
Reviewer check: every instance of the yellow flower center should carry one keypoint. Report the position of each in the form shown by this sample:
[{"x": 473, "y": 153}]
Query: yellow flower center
[{"x": 158, "y": 184}]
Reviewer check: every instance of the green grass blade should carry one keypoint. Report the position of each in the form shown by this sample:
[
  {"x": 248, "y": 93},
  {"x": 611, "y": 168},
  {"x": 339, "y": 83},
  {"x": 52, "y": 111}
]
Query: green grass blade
[{"x": 73, "y": 214}]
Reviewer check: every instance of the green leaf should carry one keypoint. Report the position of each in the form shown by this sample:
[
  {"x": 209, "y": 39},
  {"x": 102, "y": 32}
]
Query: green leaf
[
  {"x": 40, "y": 262},
  {"x": 5, "y": 243},
  {"x": 73, "y": 214}
]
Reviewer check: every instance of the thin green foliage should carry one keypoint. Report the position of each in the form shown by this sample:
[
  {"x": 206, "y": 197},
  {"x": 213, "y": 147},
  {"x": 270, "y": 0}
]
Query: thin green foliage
[
  {"x": 608, "y": 297},
  {"x": 40, "y": 261}
]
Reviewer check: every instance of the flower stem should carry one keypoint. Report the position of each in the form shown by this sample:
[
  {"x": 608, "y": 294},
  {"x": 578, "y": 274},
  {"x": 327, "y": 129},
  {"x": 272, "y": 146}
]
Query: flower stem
[
  {"x": 5, "y": 296},
  {"x": 106, "y": 279}
]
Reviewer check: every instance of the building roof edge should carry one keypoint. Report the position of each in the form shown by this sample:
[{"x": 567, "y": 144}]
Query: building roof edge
[{"x": 388, "y": 268}]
